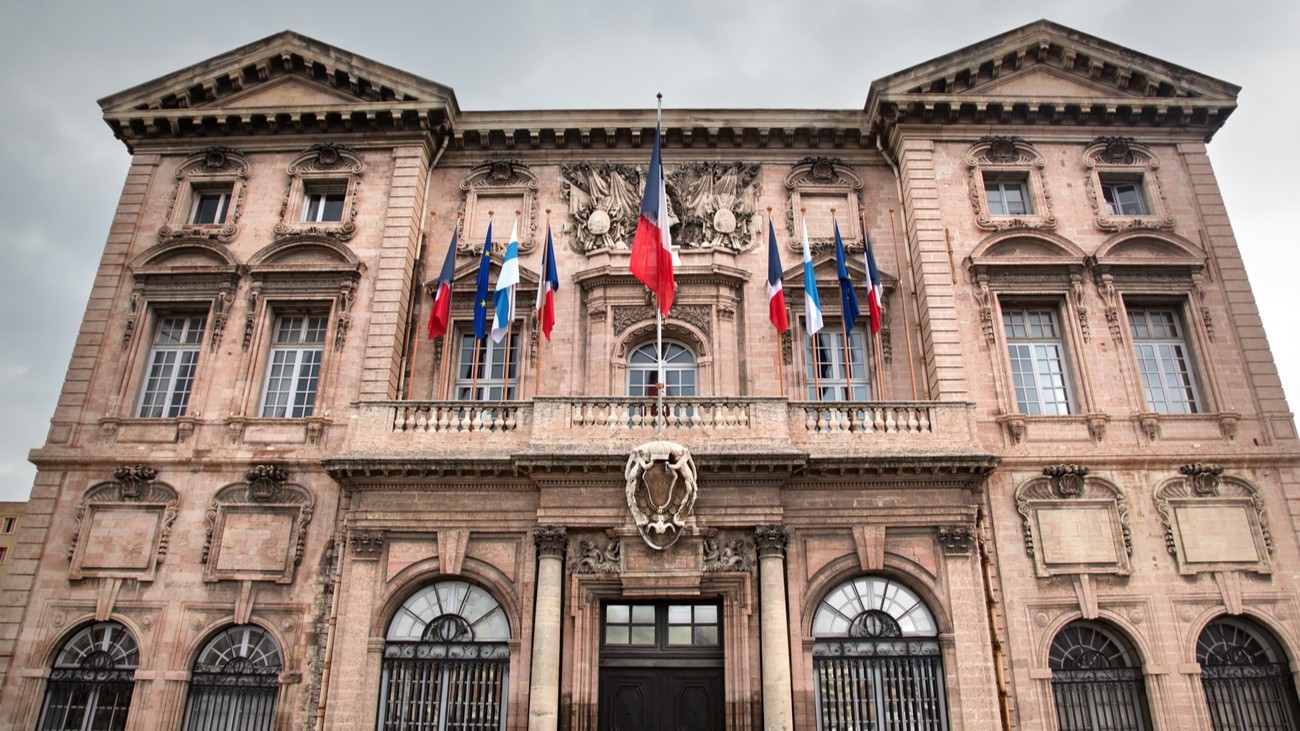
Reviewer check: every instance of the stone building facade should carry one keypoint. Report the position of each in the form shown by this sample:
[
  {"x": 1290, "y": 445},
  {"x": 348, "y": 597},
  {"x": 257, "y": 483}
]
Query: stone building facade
[{"x": 1058, "y": 491}]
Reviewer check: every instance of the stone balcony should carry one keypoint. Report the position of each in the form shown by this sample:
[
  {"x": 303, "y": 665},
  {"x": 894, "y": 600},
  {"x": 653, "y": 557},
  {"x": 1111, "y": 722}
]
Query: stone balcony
[{"x": 554, "y": 428}]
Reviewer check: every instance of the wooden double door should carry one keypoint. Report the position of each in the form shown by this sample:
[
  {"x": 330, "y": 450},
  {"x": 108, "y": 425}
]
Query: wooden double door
[{"x": 661, "y": 668}]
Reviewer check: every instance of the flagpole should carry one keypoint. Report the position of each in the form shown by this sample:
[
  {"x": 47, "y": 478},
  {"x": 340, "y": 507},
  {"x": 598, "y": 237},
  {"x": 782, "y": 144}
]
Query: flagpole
[
  {"x": 415, "y": 316},
  {"x": 662, "y": 420},
  {"x": 812, "y": 342},
  {"x": 880, "y": 367},
  {"x": 537, "y": 314},
  {"x": 505, "y": 368},
  {"x": 876, "y": 359},
  {"x": 780, "y": 361},
  {"x": 907, "y": 333},
  {"x": 844, "y": 328},
  {"x": 473, "y": 389}
]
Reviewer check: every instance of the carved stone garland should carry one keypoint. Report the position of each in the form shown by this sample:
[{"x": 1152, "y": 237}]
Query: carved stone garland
[
  {"x": 1123, "y": 156},
  {"x": 499, "y": 179},
  {"x": 325, "y": 162},
  {"x": 134, "y": 484},
  {"x": 208, "y": 168},
  {"x": 996, "y": 153}
]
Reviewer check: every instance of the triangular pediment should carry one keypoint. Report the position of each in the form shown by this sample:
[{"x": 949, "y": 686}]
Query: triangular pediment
[
  {"x": 287, "y": 92},
  {"x": 1049, "y": 68}
]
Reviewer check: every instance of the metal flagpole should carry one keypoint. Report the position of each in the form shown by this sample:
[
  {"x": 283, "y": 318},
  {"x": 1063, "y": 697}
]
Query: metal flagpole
[
  {"x": 505, "y": 364},
  {"x": 907, "y": 332},
  {"x": 844, "y": 328},
  {"x": 415, "y": 311},
  {"x": 780, "y": 361},
  {"x": 537, "y": 315},
  {"x": 478, "y": 342},
  {"x": 812, "y": 337},
  {"x": 662, "y": 421}
]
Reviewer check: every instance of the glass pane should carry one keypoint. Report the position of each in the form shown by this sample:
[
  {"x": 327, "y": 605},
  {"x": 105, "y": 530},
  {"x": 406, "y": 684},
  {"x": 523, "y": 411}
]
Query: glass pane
[
  {"x": 616, "y": 634},
  {"x": 643, "y": 614},
  {"x": 706, "y": 614},
  {"x": 679, "y": 635},
  {"x": 679, "y": 614},
  {"x": 617, "y": 613},
  {"x": 643, "y": 634},
  {"x": 706, "y": 635}
]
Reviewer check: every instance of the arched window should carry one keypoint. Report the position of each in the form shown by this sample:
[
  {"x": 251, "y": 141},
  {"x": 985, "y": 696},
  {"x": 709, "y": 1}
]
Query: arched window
[
  {"x": 1246, "y": 679},
  {"x": 679, "y": 371},
  {"x": 91, "y": 682},
  {"x": 235, "y": 682},
  {"x": 445, "y": 661},
  {"x": 876, "y": 659},
  {"x": 1096, "y": 681}
]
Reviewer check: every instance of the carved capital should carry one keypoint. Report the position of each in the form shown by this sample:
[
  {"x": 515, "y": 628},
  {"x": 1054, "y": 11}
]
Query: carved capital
[
  {"x": 956, "y": 539},
  {"x": 1067, "y": 479},
  {"x": 367, "y": 545},
  {"x": 771, "y": 540},
  {"x": 551, "y": 540}
]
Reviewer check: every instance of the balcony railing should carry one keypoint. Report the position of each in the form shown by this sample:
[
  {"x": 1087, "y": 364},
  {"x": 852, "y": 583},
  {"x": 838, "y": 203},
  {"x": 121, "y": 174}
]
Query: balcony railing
[{"x": 612, "y": 424}]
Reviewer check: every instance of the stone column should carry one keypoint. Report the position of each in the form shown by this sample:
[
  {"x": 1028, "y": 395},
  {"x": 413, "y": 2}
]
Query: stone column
[
  {"x": 544, "y": 692},
  {"x": 775, "y": 628}
]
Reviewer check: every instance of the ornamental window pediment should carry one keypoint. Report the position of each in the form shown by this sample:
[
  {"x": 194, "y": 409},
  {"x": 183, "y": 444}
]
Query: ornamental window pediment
[
  {"x": 1006, "y": 185},
  {"x": 322, "y": 196},
  {"x": 1214, "y": 523},
  {"x": 1124, "y": 186},
  {"x": 257, "y": 529},
  {"x": 1074, "y": 524},
  {"x": 209, "y": 196},
  {"x": 826, "y": 191},
  {"x": 496, "y": 190}
]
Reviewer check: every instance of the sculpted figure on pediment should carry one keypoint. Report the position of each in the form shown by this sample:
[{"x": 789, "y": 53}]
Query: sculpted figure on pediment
[
  {"x": 604, "y": 200},
  {"x": 717, "y": 204}
]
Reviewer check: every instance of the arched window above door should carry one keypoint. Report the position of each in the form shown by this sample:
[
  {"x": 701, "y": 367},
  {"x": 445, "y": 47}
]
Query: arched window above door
[
  {"x": 235, "y": 682},
  {"x": 680, "y": 372},
  {"x": 1096, "y": 680},
  {"x": 92, "y": 680},
  {"x": 1246, "y": 677}
]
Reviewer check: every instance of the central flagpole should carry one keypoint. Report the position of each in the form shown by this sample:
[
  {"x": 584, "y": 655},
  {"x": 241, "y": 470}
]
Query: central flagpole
[
  {"x": 845, "y": 327},
  {"x": 537, "y": 313},
  {"x": 662, "y": 421},
  {"x": 478, "y": 342}
]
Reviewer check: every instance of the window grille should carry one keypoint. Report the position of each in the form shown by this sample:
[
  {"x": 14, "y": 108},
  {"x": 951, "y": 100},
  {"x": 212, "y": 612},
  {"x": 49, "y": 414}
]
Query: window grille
[
  {"x": 92, "y": 680},
  {"x": 876, "y": 660},
  {"x": 1246, "y": 679},
  {"x": 446, "y": 662},
  {"x": 235, "y": 682},
  {"x": 1096, "y": 681}
]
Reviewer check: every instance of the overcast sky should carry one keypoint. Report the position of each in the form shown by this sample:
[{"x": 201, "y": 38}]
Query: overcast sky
[{"x": 61, "y": 170}]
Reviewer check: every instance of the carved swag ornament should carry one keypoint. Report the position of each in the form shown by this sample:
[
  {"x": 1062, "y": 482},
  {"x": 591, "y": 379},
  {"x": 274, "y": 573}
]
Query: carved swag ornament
[{"x": 661, "y": 490}]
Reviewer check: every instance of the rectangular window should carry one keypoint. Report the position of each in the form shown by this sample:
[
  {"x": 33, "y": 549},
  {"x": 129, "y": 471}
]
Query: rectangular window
[
  {"x": 1163, "y": 360},
  {"x": 324, "y": 203},
  {"x": 630, "y": 624},
  {"x": 10, "y": 523},
  {"x": 4, "y": 554},
  {"x": 1007, "y": 195},
  {"x": 1037, "y": 361},
  {"x": 210, "y": 206},
  {"x": 1123, "y": 197},
  {"x": 172, "y": 363},
  {"x": 692, "y": 624},
  {"x": 827, "y": 377},
  {"x": 481, "y": 373},
  {"x": 293, "y": 366}
]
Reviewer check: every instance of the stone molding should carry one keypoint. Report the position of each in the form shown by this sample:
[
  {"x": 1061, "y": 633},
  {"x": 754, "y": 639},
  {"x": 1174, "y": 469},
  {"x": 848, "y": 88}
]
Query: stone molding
[
  {"x": 494, "y": 184},
  {"x": 264, "y": 496},
  {"x": 206, "y": 170},
  {"x": 330, "y": 163},
  {"x": 771, "y": 540},
  {"x": 147, "y": 508},
  {"x": 1066, "y": 490},
  {"x": 735, "y": 555},
  {"x": 824, "y": 183},
  {"x": 1009, "y": 155},
  {"x": 551, "y": 540},
  {"x": 1203, "y": 497},
  {"x": 1134, "y": 161}
]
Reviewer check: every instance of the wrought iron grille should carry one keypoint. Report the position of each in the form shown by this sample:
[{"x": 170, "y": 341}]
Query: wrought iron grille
[
  {"x": 441, "y": 686},
  {"x": 1096, "y": 683},
  {"x": 877, "y": 685},
  {"x": 1246, "y": 684},
  {"x": 92, "y": 681},
  {"x": 235, "y": 682}
]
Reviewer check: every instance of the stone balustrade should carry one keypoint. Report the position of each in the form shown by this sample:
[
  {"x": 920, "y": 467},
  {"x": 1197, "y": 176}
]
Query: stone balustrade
[{"x": 614, "y": 424}]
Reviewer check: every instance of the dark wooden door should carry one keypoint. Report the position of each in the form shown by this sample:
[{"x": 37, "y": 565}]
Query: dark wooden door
[{"x": 661, "y": 699}]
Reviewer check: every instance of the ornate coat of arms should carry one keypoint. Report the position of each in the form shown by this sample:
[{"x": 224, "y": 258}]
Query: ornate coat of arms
[{"x": 661, "y": 490}]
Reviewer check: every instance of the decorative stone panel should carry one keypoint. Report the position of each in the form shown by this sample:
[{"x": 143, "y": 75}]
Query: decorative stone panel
[
  {"x": 1214, "y": 523},
  {"x": 501, "y": 187},
  {"x": 604, "y": 200},
  {"x": 999, "y": 155},
  {"x": 1074, "y": 525},
  {"x": 213, "y": 169},
  {"x": 123, "y": 527},
  {"x": 715, "y": 205},
  {"x": 257, "y": 529},
  {"x": 815, "y": 186}
]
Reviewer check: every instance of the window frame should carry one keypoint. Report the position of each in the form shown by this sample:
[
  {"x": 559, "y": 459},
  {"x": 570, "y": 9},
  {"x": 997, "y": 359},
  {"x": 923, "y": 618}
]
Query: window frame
[
  {"x": 1001, "y": 181},
  {"x": 671, "y": 390},
  {"x": 860, "y": 381},
  {"x": 223, "y": 196},
  {"x": 1064, "y": 359},
  {"x": 485, "y": 384},
  {"x": 10, "y": 524},
  {"x": 274, "y": 347},
  {"x": 155, "y": 350},
  {"x": 995, "y": 159},
  {"x": 1195, "y": 401},
  {"x": 1109, "y": 183},
  {"x": 1120, "y": 160},
  {"x": 325, "y": 191},
  {"x": 202, "y": 173},
  {"x": 320, "y": 167}
]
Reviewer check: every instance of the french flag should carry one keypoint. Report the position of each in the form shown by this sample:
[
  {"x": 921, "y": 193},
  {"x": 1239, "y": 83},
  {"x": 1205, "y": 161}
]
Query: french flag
[
  {"x": 652, "y": 253},
  {"x": 440, "y": 317},
  {"x": 875, "y": 300},
  {"x": 812, "y": 300},
  {"x": 775, "y": 292},
  {"x": 547, "y": 286}
]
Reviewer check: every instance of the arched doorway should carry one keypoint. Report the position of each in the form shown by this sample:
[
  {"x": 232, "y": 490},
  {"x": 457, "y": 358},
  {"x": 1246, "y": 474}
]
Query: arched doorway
[
  {"x": 92, "y": 680},
  {"x": 235, "y": 682},
  {"x": 1097, "y": 680},
  {"x": 1247, "y": 681}
]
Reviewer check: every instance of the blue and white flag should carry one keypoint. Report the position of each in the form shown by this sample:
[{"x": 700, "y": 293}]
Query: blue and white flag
[
  {"x": 504, "y": 313},
  {"x": 812, "y": 301}
]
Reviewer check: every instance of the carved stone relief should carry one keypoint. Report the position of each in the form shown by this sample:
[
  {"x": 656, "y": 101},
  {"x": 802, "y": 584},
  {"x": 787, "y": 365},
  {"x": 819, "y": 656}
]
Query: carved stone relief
[
  {"x": 604, "y": 200},
  {"x": 1074, "y": 525},
  {"x": 956, "y": 539},
  {"x": 625, "y": 316},
  {"x": 320, "y": 164},
  {"x": 216, "y": 169},
  {"x": 594, "y": 559},
  {"x": 1213, "y": 523},
  {"x": 257, "y": 529},
  {"x": 716, "y": 205},
  {"x": 123, "y": 528},
  {"x": 660, "y": 489},
  {"x": 502, "y": 186},
  {"x": 736, "y": 554},
  {"x": 1002, "y": 155}
]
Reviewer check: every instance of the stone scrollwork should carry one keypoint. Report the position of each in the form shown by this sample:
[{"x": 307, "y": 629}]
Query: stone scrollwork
[
  {"x": 1067, "y": 479},
  {"x": 321, "y": 164},
  {"x": 504, "y": 185},
  {"x": 1129, "y": 161},
  {"x": 1240, "y": 538},
  {"x": 733, "y": 555},
  {"x": 593, "y": 559},
  {"x": 135, "y": 532},
  {"x": 1065, "y": 497},
  {"x": 603, "y": 201},
  {"x": 716, "y": 204},
  {"x": 215, "y": 169},
  {"x": 816, "y": 185},
  {"x": 1203, "y": 479},
  {"x": 265, "y": 505},
  {"x": 661, "y": 489},
  {"x": 1009, "y": 156}
]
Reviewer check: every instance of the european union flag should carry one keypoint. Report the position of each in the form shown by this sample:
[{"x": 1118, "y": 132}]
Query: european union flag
[
  {"x": 481, "y": 297},
  {"x": 848, "y": 298}
]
